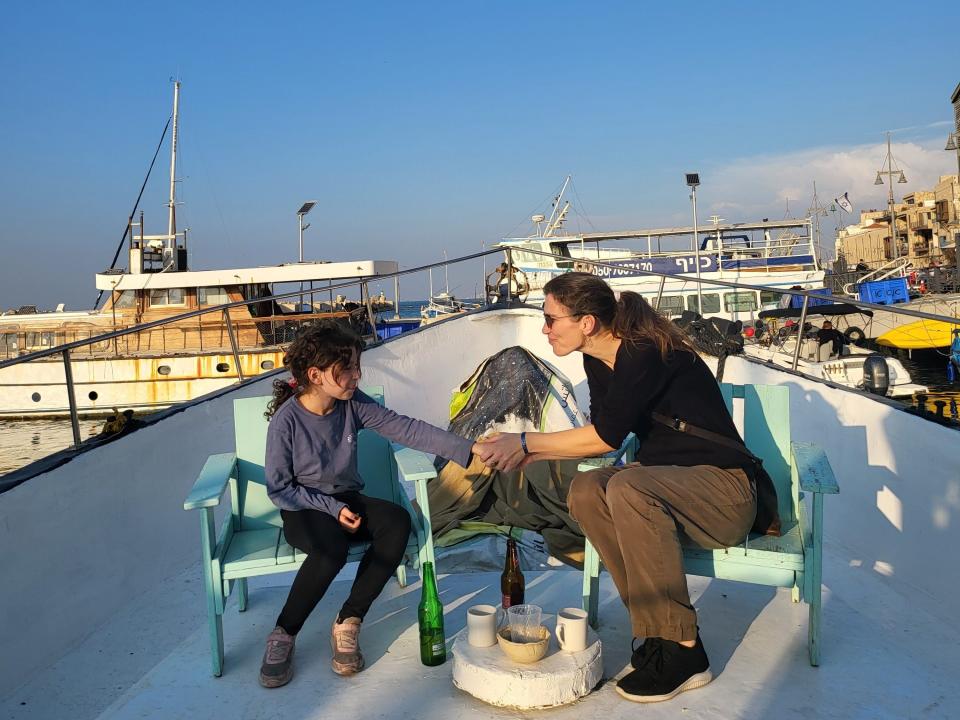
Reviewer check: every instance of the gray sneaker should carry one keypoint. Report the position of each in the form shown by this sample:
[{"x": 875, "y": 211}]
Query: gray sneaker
[
  {"x": 345, "y": 641},
  {"x": 277, "y": 667}
]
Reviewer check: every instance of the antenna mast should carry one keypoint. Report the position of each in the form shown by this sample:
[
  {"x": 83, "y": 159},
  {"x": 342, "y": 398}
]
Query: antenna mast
[{"x": 174, "y": 139}]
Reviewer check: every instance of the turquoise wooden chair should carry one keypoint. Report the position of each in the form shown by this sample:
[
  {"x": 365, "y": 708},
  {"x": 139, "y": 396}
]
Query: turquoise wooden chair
[
  {"x": 794, "y": 559},
  {"x": 250, "y": 541}
]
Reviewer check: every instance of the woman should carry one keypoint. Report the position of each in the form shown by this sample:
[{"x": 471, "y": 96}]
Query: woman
[{"x": 642, "y": 374}]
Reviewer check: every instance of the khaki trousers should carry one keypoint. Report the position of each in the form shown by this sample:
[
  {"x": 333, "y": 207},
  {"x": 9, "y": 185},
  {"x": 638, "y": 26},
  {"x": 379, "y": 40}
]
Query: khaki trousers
[{"x": 638, "y": 518}]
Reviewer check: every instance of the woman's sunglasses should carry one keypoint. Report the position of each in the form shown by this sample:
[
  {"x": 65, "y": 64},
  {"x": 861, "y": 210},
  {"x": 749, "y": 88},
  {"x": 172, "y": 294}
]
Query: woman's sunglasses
[{"x": 548, "y": 320}]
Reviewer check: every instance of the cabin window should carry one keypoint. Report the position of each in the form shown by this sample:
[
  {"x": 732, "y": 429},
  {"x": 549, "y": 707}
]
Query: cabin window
[
  {"x": 92, "y": 395},
  {"x": 564, "y": 250},
  {"x": 163, "y": 370},
  {"x": 769, "y": 297},
  {"x": 40, "y": 339},
  {"x": 125, "y": 299},
  {"x": 711, "y": 303},
  {"x": 740, "y": 301},
  {"x": 671, "y": 305},
  {"x": 267, "y": 365},
  {"x": 211, "y": 296},
  {"x": 167, "y": 296},
  {"x": 223, "y": 367},
  {"x": 8, "y": 342},
  {"x": 35, "y": 397}
]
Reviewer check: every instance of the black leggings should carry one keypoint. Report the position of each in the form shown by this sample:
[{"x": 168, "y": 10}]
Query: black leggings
[{"x": 385, "y": 525}]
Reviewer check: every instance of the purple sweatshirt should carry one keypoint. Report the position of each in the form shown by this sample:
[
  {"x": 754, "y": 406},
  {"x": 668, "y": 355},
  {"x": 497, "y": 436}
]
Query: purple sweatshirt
[{"x": 312, "y": 457}]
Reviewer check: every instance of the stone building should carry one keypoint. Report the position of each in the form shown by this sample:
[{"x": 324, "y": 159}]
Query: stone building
[{"x": 927, "y": 229}]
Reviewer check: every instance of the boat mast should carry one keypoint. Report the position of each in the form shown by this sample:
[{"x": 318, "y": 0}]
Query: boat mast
[
  {"x": 172, "y": 217},
  {"x": 558, "y": 215},
  {"x": 816, "y": 212}
]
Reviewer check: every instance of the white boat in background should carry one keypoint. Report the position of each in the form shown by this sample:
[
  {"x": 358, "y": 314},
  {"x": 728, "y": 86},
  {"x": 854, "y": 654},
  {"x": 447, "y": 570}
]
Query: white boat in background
[
  {"x": 853, "y": 366},
  {"x": 847, "y": 369},
  {"x": 442, "y": 305},
  {"x": 778, "y": 255},
  {"x": 155, "y": 368}
]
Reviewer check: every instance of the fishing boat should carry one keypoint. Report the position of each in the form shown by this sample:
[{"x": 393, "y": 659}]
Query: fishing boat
[
  {"x": 105, "y": 607},
  {"x": 155, "y": 368},
  {"x": 778, "y": 255}
]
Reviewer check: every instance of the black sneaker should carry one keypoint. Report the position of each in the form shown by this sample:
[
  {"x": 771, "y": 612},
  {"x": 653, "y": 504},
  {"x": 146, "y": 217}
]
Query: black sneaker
[
  {"x": 277, "y": 667},
  {"x": 640, "y": 652},
  {"x": 667, "y": 669}
]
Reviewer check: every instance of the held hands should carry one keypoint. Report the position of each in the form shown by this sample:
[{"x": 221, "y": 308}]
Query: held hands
[
  {"x": 502, "y": 451},
  {"x": 349, "y": 520}
]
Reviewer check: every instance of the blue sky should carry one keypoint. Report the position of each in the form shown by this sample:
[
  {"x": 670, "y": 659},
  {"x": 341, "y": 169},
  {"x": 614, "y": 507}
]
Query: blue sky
[{"x": 423, "y": 127}]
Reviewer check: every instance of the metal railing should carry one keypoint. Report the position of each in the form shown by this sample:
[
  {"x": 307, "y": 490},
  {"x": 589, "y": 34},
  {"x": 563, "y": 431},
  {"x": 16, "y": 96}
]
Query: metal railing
[{"x": 66, "y": 350}]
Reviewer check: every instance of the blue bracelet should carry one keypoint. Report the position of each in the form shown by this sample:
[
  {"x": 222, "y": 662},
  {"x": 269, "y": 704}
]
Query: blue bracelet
[{"x": 523, "y": 443}]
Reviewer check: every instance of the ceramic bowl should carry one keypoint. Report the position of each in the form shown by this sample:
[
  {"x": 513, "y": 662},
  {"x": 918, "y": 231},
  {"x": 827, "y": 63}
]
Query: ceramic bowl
[{"x": 527, "y": 652}]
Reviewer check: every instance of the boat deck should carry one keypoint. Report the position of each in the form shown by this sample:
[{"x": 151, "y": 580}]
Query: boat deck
[{"x": 882, "y": 658}]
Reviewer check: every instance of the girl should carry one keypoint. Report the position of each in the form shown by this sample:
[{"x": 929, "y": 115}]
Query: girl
[
  {"x": 312, "y": 476},
  {"x": 642, "y": 375}
]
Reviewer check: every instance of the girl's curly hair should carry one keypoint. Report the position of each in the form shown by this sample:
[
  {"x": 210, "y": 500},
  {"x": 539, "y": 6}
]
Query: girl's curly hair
[{"x": 322, "y": 344}]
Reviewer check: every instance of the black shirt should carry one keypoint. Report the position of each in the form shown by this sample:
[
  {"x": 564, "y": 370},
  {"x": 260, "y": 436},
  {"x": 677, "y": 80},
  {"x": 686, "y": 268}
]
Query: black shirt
[
  {"x": 641, "y": 383},
  {"x": 825, "y": 335}
]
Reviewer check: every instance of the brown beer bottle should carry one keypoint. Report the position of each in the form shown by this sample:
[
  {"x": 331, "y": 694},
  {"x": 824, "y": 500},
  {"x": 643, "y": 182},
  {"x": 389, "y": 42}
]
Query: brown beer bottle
[{"x": 511, "y": 581}]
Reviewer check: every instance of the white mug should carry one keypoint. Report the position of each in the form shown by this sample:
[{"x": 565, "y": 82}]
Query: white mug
[
  {"x": 482, "y": 622},
  {"x": 572, "y": 629}
]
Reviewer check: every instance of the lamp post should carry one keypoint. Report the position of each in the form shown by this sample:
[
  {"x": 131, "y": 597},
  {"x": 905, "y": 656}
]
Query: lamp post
[
  {"x": 693, "y": 180},
  {"x": 890, "y": 171},
  {"x": 304, "y": 209},
  {"x": 953, "y": 143}
]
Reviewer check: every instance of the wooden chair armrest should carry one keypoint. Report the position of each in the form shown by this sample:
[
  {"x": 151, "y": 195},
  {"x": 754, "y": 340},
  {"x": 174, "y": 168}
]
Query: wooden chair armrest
[
  {"x": 417, "y": 467},
  {"x": 212, "y": 481},
  {"x": 627, "y": 450},
  {"x": 813, "y": 469},
  {"x": 413, "y": 464}
]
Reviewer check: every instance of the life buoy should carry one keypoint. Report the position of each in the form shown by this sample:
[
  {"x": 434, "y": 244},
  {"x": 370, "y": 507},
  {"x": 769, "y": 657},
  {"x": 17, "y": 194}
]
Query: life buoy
[{"x": 855, "y": 336}]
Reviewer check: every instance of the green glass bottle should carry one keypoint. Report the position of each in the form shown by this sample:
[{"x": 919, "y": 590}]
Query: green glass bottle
[{"x": 433, "y": 647}]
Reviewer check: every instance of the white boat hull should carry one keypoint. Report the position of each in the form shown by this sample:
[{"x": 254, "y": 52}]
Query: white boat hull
[
  {"x": 846, "y": 370},
  {"x": 142, "y": 383}
]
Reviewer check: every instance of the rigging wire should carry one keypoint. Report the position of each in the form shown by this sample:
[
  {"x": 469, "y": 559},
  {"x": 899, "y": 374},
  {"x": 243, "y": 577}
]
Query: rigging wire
[
  {"x": 583, "y": 210},
  {"x": 136, "y": 204},
  {"x": 541, "y": 205}
]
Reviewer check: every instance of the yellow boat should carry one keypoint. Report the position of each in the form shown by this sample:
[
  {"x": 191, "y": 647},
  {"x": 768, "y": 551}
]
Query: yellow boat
[{"x": 920, "y": 335}]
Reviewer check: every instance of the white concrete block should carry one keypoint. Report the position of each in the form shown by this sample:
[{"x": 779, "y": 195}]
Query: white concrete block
[{"x": 558, "y": 679}]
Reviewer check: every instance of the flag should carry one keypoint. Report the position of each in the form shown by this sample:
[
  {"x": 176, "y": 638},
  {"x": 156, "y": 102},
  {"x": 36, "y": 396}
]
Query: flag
[{"x": 844, "y": 202}]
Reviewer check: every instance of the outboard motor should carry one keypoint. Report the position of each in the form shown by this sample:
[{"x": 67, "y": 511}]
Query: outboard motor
[{"x": 876, "y": 375}]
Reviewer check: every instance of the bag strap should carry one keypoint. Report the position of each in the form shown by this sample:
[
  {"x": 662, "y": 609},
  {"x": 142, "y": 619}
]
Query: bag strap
[{"x": 679, "y": 425}]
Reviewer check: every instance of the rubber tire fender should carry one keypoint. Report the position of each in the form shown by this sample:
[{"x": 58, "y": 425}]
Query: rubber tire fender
[{"x": 855, "y": 336}]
